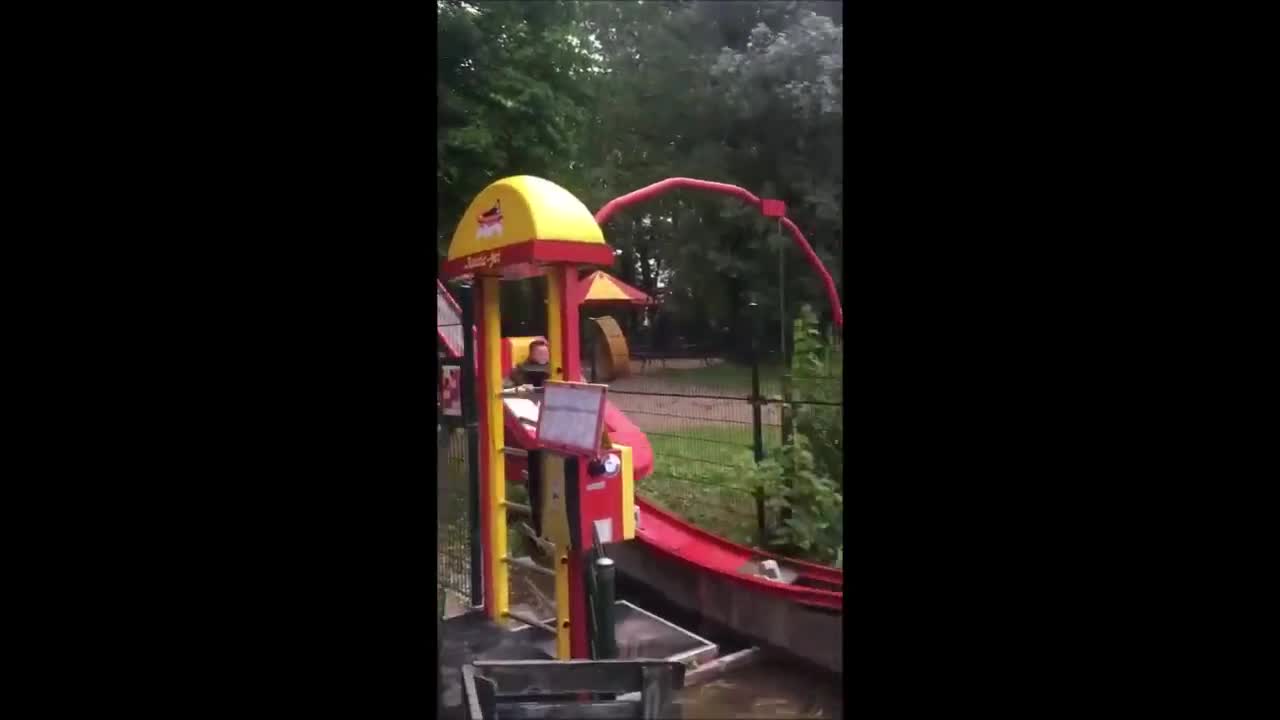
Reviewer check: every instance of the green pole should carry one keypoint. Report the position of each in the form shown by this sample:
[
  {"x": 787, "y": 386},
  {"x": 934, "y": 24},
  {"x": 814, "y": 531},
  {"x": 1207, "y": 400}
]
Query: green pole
[{"x": 606, "y": 643}]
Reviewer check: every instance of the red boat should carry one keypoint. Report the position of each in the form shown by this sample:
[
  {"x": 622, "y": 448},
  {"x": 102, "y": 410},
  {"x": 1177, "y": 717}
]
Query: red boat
[{"x": 799, "y": 610}]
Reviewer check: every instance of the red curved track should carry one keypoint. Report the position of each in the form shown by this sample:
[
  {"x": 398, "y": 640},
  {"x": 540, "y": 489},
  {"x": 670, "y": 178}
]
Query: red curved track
[
  {"x": 651, "y": 191},
  {"x": 658, "y": 529}
]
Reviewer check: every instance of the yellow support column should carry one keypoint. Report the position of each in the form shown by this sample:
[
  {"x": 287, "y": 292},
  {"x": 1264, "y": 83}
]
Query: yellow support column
[
  {"x": 563, "y": 648},
  {"x": 628, "y": 472},
  {"x": 497, "y": 480},
  {"x": 554, "y": 463}
]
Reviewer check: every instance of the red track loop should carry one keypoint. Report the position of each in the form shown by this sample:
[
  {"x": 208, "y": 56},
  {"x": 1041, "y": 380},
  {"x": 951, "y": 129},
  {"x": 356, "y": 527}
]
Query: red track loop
[{"x": 650, "y": 191}]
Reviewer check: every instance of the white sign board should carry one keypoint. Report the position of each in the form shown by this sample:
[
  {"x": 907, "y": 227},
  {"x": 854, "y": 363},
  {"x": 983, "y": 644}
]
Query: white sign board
[
  {"x": 526, "y": 411},
  {"x": 571, "y": 419}
]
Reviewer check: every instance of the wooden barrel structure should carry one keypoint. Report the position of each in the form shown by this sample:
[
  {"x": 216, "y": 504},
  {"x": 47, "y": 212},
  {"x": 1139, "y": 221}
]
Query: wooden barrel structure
[{"x": 610, "y": 360}]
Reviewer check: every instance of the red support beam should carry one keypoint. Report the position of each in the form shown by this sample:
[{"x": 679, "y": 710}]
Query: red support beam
[{"x": 571, "y": 292}]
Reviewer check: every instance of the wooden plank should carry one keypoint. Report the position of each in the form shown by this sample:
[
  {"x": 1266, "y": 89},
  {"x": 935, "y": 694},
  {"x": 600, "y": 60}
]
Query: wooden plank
[
  {"x": 526, "y": 563},
  {"x": 714, "y": 669},
  {"x": 611, "y": 358},
  {"x": 704, "y": 674},
  {"x": 530, "y": 620}
]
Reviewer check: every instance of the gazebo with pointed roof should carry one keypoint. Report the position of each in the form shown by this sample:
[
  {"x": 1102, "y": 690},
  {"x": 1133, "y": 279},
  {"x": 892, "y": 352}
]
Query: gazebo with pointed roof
[{"x": 601, "y": 287}]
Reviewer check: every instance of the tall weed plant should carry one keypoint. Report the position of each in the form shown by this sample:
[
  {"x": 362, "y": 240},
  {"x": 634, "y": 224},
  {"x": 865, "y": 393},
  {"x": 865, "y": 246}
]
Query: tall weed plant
[{"x": 803, "y": 483}]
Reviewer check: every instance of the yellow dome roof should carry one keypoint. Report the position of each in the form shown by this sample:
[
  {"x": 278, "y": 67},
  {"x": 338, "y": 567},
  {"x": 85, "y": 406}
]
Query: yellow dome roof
[{"x": 521, "y": 209}]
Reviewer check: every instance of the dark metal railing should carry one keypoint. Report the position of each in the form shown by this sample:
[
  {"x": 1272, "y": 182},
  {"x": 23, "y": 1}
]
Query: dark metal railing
[{"x": 518, "y": 689}]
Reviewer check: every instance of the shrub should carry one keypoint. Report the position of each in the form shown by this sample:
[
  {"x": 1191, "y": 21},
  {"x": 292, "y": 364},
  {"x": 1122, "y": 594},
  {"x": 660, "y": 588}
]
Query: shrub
[
  {"x": 803, "y": 483},
  {"x": 807, "y": 501}
]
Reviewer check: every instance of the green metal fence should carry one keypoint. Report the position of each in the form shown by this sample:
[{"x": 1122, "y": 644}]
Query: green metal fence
[
  {"x": 453, "y": 525},
  {"x": 709, "y": 422}
]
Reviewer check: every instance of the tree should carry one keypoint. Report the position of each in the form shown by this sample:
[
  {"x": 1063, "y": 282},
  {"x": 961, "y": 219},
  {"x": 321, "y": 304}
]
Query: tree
[
  {"x": 509, "y": 97},
  {"x": 606, "y": 97},
  {"x": 709, "y": 90}
]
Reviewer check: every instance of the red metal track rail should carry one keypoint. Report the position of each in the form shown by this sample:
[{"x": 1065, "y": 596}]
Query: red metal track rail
[{"x": 662, "y": 186}]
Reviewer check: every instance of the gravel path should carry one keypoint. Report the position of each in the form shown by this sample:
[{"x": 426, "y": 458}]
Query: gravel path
[{"x": 669, "y": 410}]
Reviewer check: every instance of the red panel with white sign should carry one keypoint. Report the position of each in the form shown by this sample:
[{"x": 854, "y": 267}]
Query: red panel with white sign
[{"x": 601, "y": 500}]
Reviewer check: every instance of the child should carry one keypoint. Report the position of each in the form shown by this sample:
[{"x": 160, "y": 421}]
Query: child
[
  {"x": 533, "y": 372},
  {"x": 535, "y": 369}
]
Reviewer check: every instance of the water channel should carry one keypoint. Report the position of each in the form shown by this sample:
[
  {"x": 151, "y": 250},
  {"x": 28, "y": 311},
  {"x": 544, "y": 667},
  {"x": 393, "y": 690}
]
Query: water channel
[{"x": 771, "y": 687}]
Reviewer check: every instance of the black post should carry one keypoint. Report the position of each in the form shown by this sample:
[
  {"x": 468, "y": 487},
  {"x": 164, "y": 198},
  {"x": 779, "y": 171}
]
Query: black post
[
  {"x": 788, "y": 425},
  {"x": 439, "y": 651},
  {"x": 757, "y": 427},
  {"x": 606, "y": 643},
  {"x": 788, "y": 431},
  {"x": 471, "y": 427}
]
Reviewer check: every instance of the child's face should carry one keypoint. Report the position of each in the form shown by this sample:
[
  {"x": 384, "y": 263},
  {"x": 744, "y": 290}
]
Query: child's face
[{"x": 539, "y": 354}]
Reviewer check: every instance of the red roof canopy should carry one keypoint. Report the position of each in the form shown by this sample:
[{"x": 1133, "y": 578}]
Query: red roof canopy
[{"x": 600, "y": 286}]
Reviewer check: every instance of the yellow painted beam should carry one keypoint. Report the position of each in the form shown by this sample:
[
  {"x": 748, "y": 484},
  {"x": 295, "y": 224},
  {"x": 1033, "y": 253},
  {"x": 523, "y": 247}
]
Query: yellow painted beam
[
  {"x": 628, "y": 493},
  {"x": 554, "y": 475},
  {"x": 497, "y": 481},
  {"x": 563, "y": 648}
]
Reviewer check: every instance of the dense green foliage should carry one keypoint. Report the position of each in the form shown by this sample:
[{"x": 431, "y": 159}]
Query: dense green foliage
[
  {"x": 817, "y": 379},
  {"x": 606, "y": 97}
]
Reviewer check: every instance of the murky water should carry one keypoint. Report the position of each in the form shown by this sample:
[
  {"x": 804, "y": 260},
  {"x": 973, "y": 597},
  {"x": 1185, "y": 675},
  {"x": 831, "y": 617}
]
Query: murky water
[
  {"x": 771, "y": 687},
  {"x": 767, "y": 689}
]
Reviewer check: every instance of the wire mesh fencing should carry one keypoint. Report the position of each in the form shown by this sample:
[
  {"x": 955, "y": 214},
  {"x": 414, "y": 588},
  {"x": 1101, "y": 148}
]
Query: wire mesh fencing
[
  {"x": 453, "y": 531},
  {"x": 709, "y": 421}
]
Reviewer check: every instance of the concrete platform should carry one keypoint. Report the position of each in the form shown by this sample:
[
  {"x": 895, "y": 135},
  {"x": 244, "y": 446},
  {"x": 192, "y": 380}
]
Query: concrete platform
[
  {"x": 454, "y": 605},
  {"x": 472, "y": 636},
  {"x": 640, "y": 635}
]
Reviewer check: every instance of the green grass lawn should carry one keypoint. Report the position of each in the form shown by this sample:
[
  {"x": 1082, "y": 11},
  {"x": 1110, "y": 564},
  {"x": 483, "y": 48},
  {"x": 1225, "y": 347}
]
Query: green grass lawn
[
  {"x": 699, "y": 476},
  {"x": 721, "y": 444}
]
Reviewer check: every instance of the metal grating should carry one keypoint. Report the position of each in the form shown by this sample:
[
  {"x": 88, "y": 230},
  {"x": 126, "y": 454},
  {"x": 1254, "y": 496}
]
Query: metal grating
[{"x": 448, "y": 320}]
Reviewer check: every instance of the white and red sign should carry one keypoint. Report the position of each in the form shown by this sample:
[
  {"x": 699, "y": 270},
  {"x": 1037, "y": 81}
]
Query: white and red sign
[{"x": 490, "y": 223}]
